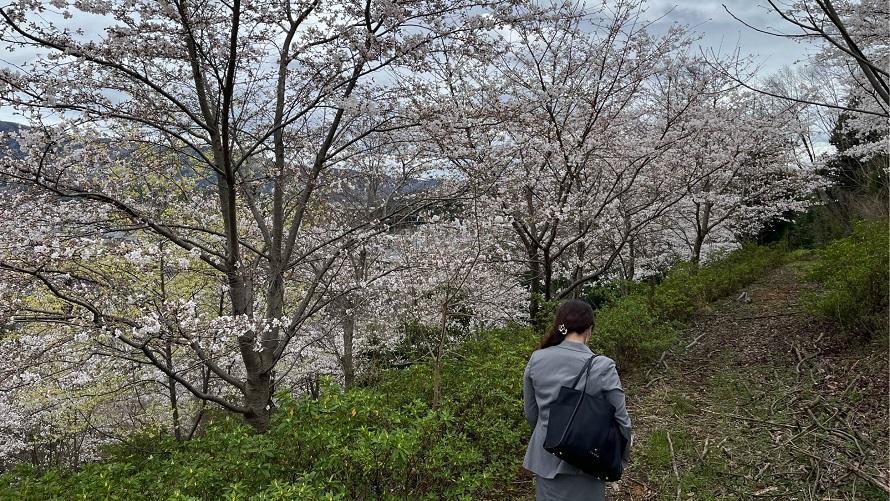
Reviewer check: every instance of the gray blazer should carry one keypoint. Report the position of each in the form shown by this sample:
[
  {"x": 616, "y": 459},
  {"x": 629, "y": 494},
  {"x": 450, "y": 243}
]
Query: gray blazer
[{"x": 548, "y": 370}]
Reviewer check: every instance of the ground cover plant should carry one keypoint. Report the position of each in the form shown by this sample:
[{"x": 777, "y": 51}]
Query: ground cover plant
[{"x": 383, "y": 440}]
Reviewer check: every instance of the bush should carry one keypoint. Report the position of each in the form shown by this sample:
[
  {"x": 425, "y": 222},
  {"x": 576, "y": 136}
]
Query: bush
[
  {"x": 689, "y": 287},
  {"x": 853, "y": 274},
  {"x": 629, "y": 330},
  {"x": 383, "y": 442},
  {"x": 640, "y": 326}
]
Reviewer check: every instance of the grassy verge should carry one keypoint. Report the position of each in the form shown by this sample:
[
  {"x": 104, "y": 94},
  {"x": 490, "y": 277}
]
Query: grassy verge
[
  {"x": 770, "y": 403},
  {"x": 854, "y": 278},
  {"x": 638, "y": 327}
]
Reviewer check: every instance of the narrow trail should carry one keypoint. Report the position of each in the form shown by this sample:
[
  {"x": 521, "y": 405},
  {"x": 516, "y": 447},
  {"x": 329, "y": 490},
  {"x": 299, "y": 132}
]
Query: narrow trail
[{"x": 759, "y": 400}]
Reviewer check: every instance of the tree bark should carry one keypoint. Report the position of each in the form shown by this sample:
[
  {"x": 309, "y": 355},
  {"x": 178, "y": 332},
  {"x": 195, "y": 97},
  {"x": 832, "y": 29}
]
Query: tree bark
[
  {"x": 171, "y": 387},
  {"x": 548, "y": 276},
  {"x": 257, "y": 398},
  {"x": 437, "y": 359},
  {"x": 347, "y": 360},
  {"x": 703, "y": 217},
  {"x": 168, "y": 355},
  {"x": 534, "y": 277}
]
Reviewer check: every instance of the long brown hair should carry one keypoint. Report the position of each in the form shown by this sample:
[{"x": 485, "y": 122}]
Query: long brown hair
[{"x": 573, "y": 315}]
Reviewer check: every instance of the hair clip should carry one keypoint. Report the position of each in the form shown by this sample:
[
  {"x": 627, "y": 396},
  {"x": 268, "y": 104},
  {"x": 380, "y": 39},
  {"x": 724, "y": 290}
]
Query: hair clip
[{"x": 562, "y": 329}]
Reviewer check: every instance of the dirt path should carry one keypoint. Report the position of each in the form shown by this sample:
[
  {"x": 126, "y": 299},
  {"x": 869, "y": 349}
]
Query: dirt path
[{"x": 761, "y": 401}]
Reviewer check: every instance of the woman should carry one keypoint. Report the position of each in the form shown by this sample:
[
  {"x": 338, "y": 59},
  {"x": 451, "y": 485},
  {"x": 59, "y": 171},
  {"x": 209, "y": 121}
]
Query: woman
[{"x": 554, "y": 364}]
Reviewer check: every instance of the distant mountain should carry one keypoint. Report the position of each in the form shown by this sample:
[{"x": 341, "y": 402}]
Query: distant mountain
[
  {"x": 10, "y": 142},
  {"x": 359, "y": 187},
  {"x": 10, "y": 126}
]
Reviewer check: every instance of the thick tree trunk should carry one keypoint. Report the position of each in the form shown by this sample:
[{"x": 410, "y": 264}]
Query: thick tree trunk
[
  {"x": 534, "y": 277},
  {"x": 548, "y": 276},
  {"x": 696, "y": 247},
  {"x": 257, "y": 398}
]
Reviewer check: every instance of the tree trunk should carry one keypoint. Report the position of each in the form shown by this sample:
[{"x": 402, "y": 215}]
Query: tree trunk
[
  {"x": 548, "y": 276},
  {"x": 580, "y": 249},
  {"x": 348, "y": 333},
  {"x": 696, "y": 248},
  {"x": 437, "y": 359},
  {"x": 437, "y": 380},
  {"x": 534, "y": 307},
  {"x": 171, "y": 388},
  {"x": 349, "y": 317},
  {"x": 701, "y": 231},
  {"x": 631, "y": 270},
  {"x": 168, "y": 354},
  {"x": 257, "y": 398}
]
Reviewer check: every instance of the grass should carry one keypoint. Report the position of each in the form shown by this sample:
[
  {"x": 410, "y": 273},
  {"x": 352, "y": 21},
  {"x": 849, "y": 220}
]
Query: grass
[{"x": 744, "y": 422}]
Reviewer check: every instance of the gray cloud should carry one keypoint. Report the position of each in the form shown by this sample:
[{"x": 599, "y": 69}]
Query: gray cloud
[{"x": 720, "y": 32}]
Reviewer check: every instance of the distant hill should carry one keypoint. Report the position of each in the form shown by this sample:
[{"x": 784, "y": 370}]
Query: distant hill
[
  {"x": 7, "y": 127},
  {"x": 385, "y": 186}
]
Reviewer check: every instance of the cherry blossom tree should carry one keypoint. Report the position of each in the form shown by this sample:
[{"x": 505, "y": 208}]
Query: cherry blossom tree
[
  {"x": 255, "y": 102},
  {"x": 576, "y": 136},
  {"x": 453, "y": 267},
  {"x": 744, "y": 168},
  {"x": 214, "y": 201},
  {"x": 854, "y": 47}
]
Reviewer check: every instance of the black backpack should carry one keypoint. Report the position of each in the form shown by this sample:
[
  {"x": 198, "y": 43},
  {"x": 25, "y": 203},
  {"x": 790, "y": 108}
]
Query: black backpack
[{"x": 582, "y": 431}]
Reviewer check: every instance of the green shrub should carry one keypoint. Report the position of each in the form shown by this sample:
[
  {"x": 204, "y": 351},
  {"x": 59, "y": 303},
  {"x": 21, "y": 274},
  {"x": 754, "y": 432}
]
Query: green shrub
[
  {"x": 629, "y": 330},
  {"x": 640, "y": 326},
  {"x": 689, "y": 287},
  {"x": 853, "y": 275},
  {"x": 382, "y": 443}
]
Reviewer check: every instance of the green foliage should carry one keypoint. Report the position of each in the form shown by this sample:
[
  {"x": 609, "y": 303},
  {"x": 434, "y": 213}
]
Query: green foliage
[
  {"x": 383, "y": 442},
  {"x": 414, "y": 343},
  {"x": 639, "y": 326},
  {"x": 688, "y": 287},
  {"x": 859, "y": 189},
  {"x": 853, "y": 274},
  {"x": 629, "y": 329}
]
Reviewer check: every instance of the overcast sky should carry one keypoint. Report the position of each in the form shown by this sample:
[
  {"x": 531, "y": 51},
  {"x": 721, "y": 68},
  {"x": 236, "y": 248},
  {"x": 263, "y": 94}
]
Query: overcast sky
[
  {"x": 720, "y": 32},
  {"x": 719, "y": 29}
]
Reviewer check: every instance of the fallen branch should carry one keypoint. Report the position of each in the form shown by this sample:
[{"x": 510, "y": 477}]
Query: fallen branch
[
  {"x": 877, "y": 482},
  {"x": 674, "y": 464},
  {"x": 753, "y": 420},
  {"x": 803, "y": 360},
  {"x": 704, "y": 451},
  {"x": 694, "y": 341},
  {"x": 653, "y": 381}
]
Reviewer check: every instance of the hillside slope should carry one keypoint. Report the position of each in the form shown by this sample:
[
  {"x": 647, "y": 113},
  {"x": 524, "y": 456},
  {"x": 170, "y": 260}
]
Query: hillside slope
[{"x": 760, "y": 401}]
